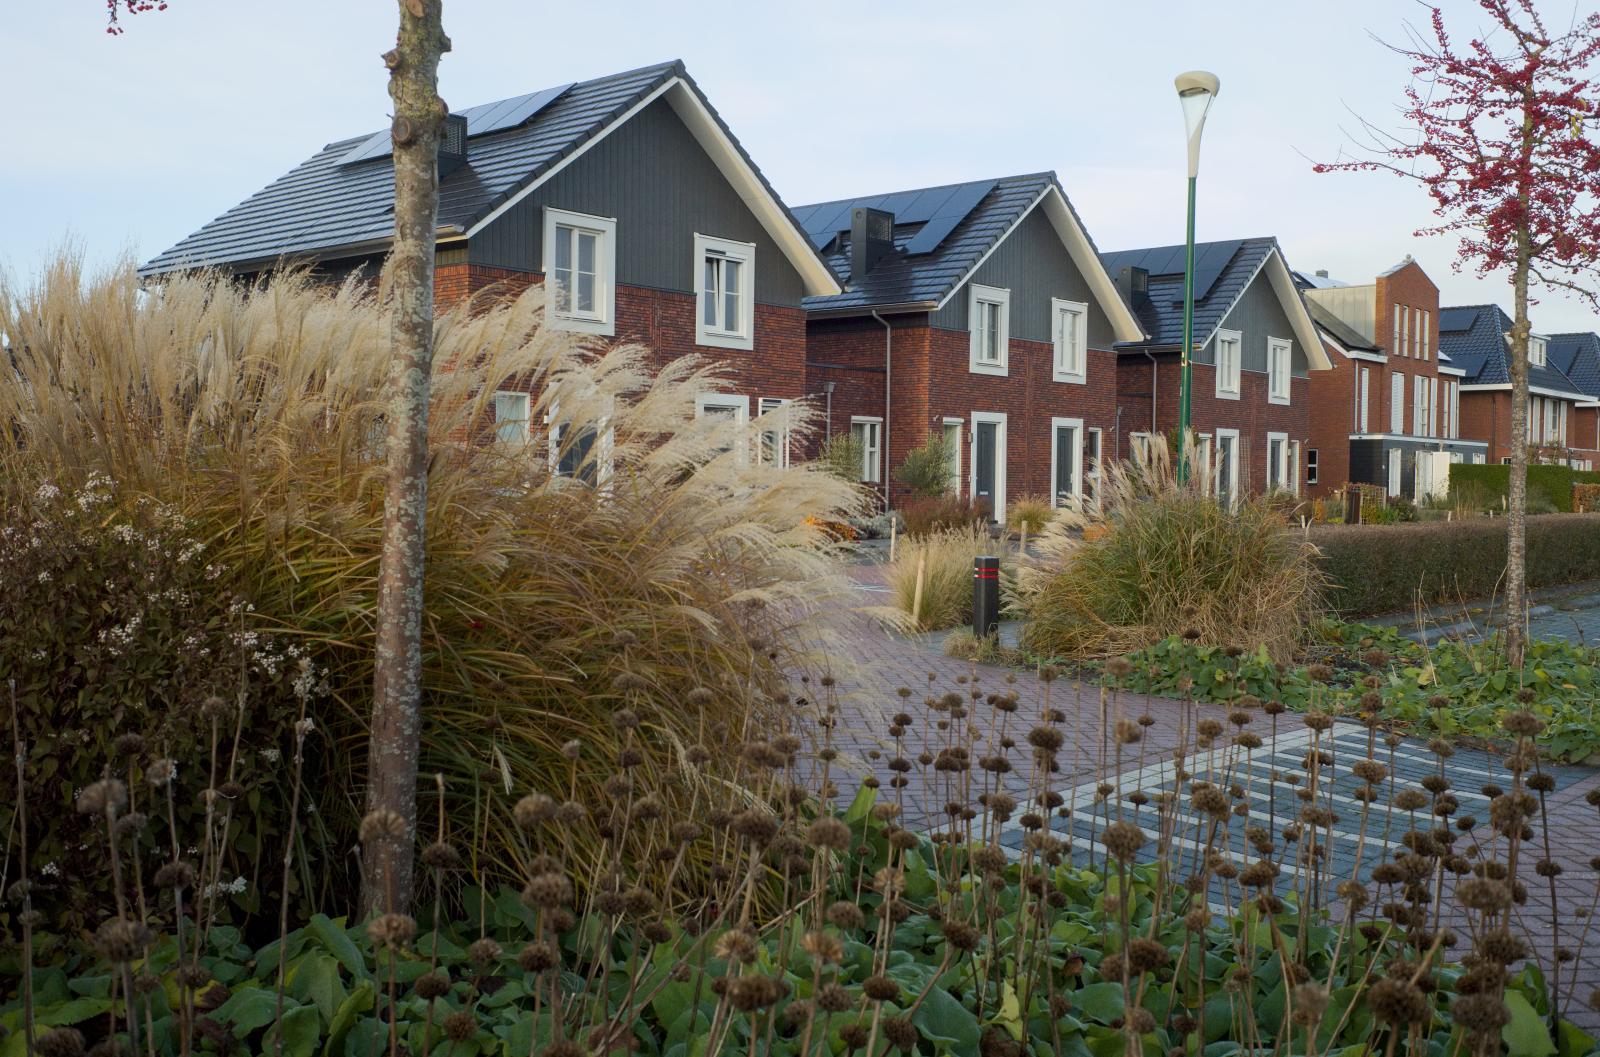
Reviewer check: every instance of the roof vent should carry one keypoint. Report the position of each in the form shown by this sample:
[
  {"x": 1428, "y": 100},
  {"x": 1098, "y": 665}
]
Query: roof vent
[
  {"x": 452, "y": 144},
  {"x": 871, "y": 238},
  {"x": 1133, "y": 283},
  {"x": 1322, "y": 273}
]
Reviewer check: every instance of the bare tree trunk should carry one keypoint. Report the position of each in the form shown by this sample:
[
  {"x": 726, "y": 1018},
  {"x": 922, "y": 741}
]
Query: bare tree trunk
[
  {"x": 397, "y": 682},
  {"x": 1517, "y": 498}
]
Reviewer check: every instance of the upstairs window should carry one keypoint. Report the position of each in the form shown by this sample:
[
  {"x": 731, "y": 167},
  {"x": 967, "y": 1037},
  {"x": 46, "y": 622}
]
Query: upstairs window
[
  {"x": 1424, "y": 331},
  {"x": 1071, "y": 340},
  {"x": 989, "y": 317},
  {"x": 724, "y": 290},
  {"x": 1228, "y": 352},
  {"x": 1279, "y": 367},
  {"x": 1397, "y": 403},
  {"x": 1536, "y": 350},
  {"x": 580, "y": 271}
]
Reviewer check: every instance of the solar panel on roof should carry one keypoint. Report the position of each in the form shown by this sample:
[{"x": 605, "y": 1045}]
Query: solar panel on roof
[
  {"x": 951, "y": 212},
  {"x": 481, "y": 120}
]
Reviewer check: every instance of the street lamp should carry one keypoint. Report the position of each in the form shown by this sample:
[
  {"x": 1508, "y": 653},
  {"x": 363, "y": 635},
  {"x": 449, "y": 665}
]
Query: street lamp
[{"x": 1196, "y": 90}]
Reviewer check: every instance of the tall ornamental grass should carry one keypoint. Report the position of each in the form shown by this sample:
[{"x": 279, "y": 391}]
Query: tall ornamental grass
[
  {"x": 254, "y": 415},
  {"x": 945, "y": 560},
  {"x": 1169, "y": 561}
]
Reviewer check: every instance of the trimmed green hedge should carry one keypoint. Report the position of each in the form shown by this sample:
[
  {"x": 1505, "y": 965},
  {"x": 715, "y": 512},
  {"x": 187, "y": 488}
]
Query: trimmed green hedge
[
  {"x": 1492, "y": 482},
  {"x": 1386, "y": 568}
]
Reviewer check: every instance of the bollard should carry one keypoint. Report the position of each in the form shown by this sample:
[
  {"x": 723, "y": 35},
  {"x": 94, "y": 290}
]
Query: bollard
[{"x": 985, "y": 596}]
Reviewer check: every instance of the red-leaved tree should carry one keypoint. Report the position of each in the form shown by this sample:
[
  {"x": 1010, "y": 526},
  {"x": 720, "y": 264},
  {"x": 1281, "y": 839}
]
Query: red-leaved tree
[
  {"x": 116, "y": 8},
  {"x": 1499, "y": 136}
]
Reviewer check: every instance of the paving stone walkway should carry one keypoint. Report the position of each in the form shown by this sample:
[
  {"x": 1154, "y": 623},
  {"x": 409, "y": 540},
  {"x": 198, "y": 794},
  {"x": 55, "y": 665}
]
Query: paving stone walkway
[{"x": 877, "y": 664}]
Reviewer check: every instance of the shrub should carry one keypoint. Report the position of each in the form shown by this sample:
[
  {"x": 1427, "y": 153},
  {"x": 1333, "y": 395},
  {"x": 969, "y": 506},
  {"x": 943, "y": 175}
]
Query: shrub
[
  {"x": 1169, "y": 560},
  {"x": 1549, "y": 487},
  {"x": 251, "y": 414},
  {"x": 842, "y": 457},
  {"x": 923, "y": 517},
  {"x": 926, "y": 470},
  {"x": 1585, "y": 497},
  {"x": 947, "y": 557},
  {"x": 1388, "y": 568},
  {"x": 1030, "y": 514}
]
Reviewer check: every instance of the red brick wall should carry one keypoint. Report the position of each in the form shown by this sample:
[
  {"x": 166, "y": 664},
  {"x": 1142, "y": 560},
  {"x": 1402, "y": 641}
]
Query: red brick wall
[
  {"x": 663, "y": 322},
  {"x": 1487, "y": 416},
  {"x": 1252, "y": 414},
  {"x": 1331, "y": 419}
]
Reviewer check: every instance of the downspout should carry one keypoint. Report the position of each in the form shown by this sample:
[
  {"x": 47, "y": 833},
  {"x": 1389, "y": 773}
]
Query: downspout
[
  {"x": 888, "y": 389},
  {"x": 1155, "y": 367}
]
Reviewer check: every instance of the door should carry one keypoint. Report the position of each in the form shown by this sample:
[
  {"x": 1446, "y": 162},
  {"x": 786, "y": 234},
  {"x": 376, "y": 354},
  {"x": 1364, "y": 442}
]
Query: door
[
  {"x": 1065, "y": 462},
  {"x": 1227, "y": 441},
  {"x": 985, "y": 438},
  {"x": 1091, "y": 469},
  {"x": 1394, "y": 471}
]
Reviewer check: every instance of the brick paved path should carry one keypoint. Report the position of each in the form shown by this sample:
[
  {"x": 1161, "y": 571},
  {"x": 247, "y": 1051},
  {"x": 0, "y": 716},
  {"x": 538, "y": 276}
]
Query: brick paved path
[{"x": 871, "y": 666}]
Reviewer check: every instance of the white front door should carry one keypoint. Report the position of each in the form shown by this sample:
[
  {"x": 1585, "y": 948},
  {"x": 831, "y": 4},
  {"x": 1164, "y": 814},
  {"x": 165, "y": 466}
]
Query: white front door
[
  {"x": 1394, "y": 471},
  {"x": 989, "y": 461}
]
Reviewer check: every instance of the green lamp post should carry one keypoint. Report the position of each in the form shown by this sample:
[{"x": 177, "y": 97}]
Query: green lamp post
[{"x": 1196, "y": 90}]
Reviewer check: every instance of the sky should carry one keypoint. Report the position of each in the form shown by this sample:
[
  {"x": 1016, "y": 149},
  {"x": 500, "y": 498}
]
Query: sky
[{"x": 123, "y": 145}]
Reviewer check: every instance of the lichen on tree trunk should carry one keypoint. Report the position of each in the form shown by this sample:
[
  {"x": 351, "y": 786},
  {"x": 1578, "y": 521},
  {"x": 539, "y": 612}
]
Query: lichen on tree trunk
[{"x": 397, "y": 681}]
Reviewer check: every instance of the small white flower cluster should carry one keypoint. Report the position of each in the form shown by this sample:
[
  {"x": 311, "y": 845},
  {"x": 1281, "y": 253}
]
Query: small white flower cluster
[
  {"x": 233, "y": 887},
  {"x": 120, "y": 637},
  {"x": 47, "y": 492}
]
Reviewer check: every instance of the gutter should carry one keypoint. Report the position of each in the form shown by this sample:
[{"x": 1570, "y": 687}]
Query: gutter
[
  {"x": 866, "y": 310},
  {"x": 443, "y": 233}
]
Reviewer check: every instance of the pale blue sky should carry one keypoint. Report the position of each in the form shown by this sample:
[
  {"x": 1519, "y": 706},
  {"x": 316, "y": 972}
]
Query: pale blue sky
[{"x": 130, "y": 143}]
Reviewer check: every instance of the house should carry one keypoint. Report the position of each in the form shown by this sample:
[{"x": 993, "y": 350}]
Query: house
[
  {"x": 977, "y": 310},
  {"x": 1476, "y": 338},
  {"x": 626, "y": 197},
  {"x": 1254, "y": 348},
  {"x": 1388, "y": 412},
  {"x": 1578, "y": 357}
]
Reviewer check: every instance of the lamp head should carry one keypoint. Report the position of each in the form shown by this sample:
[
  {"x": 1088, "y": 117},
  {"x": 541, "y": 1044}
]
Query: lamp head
[{"x": 1196, "y": 90}]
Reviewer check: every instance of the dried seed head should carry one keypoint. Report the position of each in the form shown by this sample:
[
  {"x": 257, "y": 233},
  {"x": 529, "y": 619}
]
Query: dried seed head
[
  {"x": 1123, "y": 840},
  {"x": 824, "y": 947},
  {"x": 737, "y": 945},
  {"x": 433, "y": 985},
  {"x": 382, "y": 824},
  {"x": 392, "y": 931},
  {"x": 107, "y": 796},
  {"x": 441, "y": 855},
  {"x": 460, "y": 1026}
]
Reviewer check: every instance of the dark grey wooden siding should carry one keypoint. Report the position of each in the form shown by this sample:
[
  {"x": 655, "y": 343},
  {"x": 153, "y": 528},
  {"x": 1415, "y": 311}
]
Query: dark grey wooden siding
[
  {"x": 1034, "y": 265},
  {"x": 662, "y": 188},
  {"x": 1257, "y": 316}
]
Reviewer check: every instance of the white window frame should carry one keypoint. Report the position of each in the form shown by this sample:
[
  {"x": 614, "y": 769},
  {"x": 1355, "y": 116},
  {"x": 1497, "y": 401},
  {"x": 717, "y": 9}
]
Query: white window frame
[
  {"x": 872, "y": 449},
  {"x": 1280, "y": 370},
  {"x": 1399, "y": 336},
  {"x": 604, "y": 320},
  {"x": 1071, "y": 362},
  {"x": 1294, "y": 467},
  {"x": 997, "y": 418},
  {"x": 959, "y": 425},
  {"x": 1395, "y": 471},
  {"x": 1397, "y": 403},
  {"x": 772, "y": 405},
  {"x": 519, "y": 432},
  {"x": 1093, "y": 473},
  {"x": 1425, "y": 332},
  {"x": 1311, "y": 466},
  {"x": 1363, "y": 398},
  {"x": 1538, "y": 350},
  {"x": 603, "y": 448},
  {"x": 1419, "y": 405},
  {"x": 1227, "y": 371},
  {"x": 1200, "y": 465},
  {"x": 704, "y": 402},
  {"x": 743, "y": 334},
  {"x": 1056, "y": 426},
  {"x": 1284, "y": 483},
  {"x": 990, "y": 295},
  {"x": 1233, "y": 465}
]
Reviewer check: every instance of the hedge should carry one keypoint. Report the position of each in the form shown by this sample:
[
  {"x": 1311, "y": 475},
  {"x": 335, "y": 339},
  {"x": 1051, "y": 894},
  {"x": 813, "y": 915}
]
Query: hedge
[
  {"x": 1387, "y": 568},
  {"x": 1554, "y": 483}
]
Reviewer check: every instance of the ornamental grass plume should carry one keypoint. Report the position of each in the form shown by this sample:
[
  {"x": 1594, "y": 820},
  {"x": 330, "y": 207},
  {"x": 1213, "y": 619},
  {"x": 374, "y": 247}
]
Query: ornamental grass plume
[
  {"x": 255, "y": 413},
  {"x": 1168, "y": 560}
]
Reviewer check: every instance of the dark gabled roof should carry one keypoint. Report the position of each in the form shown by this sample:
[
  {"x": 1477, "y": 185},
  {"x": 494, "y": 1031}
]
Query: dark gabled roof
[
  {"x": 1577, "y": 356},
  {"x": 917, "y": 273},
  {"x": 1339, "y": 330},
  {"x": 340, "y": 201},
  {"x": 1222, "y": 271},
  {"x": 1474, "y": 337}
]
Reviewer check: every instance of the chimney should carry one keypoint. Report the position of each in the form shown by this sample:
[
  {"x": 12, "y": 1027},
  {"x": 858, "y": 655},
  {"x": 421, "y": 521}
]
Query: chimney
[
  {"x": 871, "y": 238},
  {"x": 1134, "y": 285},
  {"x": 452, "y": 144},
  {"x": 1322, "y": 273}
]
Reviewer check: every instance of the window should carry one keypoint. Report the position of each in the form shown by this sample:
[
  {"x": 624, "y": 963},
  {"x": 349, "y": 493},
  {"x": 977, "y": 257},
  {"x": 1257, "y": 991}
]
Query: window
[
  {"x": 989, "y": 312},
  {"x": 1536, "y": 350},
  {"x": 1363, "y": 395},
  {"x": 1452, "y": 409},
  {"x": 1294, "y": 467},
  {"x": 1227, "y": 466},
  {"x": 1091, "y": 468},
  {"x": 1311, "y": 466},
  {"x": 1278, "y": 370},
  {"x": 1419, "y": 405},
  {"x": 1071, "y": 339},
  {"x": 1139, "y": 446},
  {"x": 580, "y": 271},
  {"x": 1397, "y": 403},
  {"x": 1228, "y": 343},
  {"x": 1278, "y": 476},
  {"x": 1395, "y": 340},
  {"x": 1200, "y": 468},
  {"x": 1424, "y": 331},
  {"x": 727, "y": 406},
  {"x": 724, "y": 290},
  {"x": 572, "y": 453},
  {"x": 774, "y": 441},
  {"x": 1066, "y": 460},
  {"x": 868, "y": 433},
  {"x": 952, "y": 442},
  {"x": 511, "y": 418}
]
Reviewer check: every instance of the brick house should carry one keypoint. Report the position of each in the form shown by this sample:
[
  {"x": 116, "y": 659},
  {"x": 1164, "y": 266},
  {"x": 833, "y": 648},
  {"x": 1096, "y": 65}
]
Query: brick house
[
  {"x": 629, "y": 189},
  {"x": 980, "y": 311},
  {"x": 1476, "y": 339},
  {"x": 1578, "y": 357},
  {"x": 1388, "y": 411},
  {"x": 1255, "y": 345}
]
